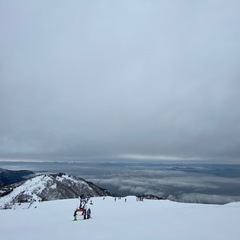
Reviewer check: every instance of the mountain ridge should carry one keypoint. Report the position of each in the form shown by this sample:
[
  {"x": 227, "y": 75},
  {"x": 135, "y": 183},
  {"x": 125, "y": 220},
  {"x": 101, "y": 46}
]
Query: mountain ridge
[
  {"x": 13, "y": 176},
  {"x": 48, "y": 187}
]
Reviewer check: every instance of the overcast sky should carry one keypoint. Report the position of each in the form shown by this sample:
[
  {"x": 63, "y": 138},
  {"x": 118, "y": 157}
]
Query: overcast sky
[{"x": 138, "y": 79}]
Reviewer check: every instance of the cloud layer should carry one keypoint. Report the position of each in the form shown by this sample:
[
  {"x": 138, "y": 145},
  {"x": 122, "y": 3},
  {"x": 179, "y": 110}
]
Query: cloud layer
[{"x": 178, "y": 181}]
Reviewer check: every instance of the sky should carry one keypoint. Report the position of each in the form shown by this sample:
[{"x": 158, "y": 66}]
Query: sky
[{"x": 120, "y": 79}]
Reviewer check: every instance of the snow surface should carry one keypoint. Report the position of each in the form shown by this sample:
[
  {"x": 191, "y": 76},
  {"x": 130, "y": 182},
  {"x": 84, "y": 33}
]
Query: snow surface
[
  {"x": 122, "y": 220},
  {"x": 29, "y": 187}
]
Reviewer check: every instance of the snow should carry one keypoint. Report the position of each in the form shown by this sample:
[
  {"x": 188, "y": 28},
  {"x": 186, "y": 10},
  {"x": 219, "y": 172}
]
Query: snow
[
  {"x": 66, "y": 177},
  {"x": 29, "y": 187},
  {"x": 122, "y": 220}
]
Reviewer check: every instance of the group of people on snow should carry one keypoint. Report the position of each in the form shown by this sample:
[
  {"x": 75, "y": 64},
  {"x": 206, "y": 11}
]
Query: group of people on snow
[{"x": 86, "y": 212}]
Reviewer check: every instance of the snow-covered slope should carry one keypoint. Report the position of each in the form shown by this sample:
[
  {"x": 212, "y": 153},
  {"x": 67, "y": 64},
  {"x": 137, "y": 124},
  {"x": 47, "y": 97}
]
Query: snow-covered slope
[
  {"x": 122, "y": 220},
  {"x": 49, "y": 187}
]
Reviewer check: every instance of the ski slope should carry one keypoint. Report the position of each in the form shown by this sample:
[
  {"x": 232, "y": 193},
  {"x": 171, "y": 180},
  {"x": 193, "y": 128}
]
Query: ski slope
[{"x": 122, "y": 220}]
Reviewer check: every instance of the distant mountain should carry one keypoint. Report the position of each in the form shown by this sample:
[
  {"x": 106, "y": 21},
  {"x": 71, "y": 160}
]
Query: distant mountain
[
  {"x": 149, "y": 196},
  {"x": 49, "y": 187},
  {"x": 9, "y": 176}
]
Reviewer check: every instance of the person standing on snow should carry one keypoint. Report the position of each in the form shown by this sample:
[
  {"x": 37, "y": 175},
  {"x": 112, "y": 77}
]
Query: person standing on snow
[
  {"x": 84, "y": 214},
  {"x": 88, "y": 213}
]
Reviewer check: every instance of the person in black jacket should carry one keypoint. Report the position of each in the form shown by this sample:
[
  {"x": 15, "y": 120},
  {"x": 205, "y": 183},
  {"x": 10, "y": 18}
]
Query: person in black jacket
[{"x": 88, "y": 213}]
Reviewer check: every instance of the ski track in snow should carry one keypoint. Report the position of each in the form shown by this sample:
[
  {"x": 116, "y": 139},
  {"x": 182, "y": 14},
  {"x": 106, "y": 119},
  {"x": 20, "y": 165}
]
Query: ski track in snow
[{"x": 118, "y": 220}]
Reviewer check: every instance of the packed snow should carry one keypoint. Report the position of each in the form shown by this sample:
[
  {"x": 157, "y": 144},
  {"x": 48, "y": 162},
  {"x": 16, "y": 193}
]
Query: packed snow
[{"x": 119, "y": 219}]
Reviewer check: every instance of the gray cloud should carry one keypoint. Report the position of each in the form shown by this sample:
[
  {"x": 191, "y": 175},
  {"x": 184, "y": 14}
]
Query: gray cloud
[
  {"x": 103, "y": 79},
  {"x": 196, "y": 188},
  {"x": 205, "y": 198},
  {"x": 203, "y": 184}
]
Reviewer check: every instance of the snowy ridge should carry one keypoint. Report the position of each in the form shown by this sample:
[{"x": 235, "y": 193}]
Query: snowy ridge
[{"x": 49, "y": 187}]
